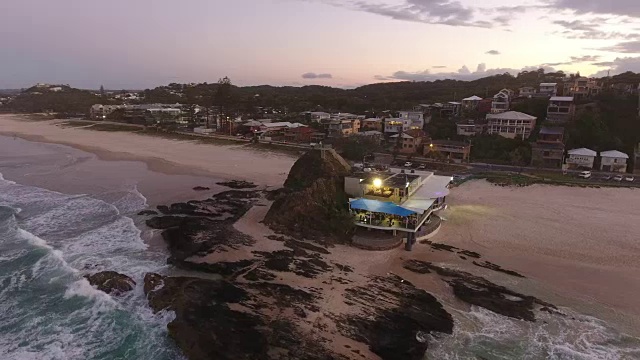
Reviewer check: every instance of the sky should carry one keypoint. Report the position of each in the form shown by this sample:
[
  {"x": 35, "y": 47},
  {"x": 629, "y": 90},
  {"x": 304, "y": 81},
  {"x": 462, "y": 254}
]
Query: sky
[{"x": 124, "y": 44}]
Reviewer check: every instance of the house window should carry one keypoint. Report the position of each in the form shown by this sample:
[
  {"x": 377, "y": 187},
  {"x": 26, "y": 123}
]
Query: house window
[{"x": 410, "y": 145}]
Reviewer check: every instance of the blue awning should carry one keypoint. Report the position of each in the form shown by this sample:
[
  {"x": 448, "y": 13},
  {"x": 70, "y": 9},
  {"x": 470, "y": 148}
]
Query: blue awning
[{"x": 380, "y": 207}]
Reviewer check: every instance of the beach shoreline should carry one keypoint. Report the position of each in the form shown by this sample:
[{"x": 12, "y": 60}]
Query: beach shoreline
[{"x": 160, "y": 154}]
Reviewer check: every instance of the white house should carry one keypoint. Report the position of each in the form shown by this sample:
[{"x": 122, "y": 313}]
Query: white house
[
  {"x": 501, "y": 101},
  {"x": 416, "y": 118},
  {"x": 550, "y": 89},
  {"x": 613, "y": 161},
  {"x": 396, "y": 125},
  {"x": 581, "y": 158},
  {"x": 511, "y": 124},
  {"x": 471, "y": 102}
]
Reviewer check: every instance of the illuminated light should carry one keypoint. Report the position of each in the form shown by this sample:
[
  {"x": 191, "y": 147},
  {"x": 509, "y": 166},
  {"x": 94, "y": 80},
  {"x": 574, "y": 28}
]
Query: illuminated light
[
  {"x": 430, "y": 145},
  {"x": 377, "y": 183}
]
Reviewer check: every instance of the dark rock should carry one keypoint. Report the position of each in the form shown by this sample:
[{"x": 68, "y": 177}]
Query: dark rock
[
  {"x": 259, "y": 275},
  {"x": 111, "y": 282},
  {"x": 288, "y": 261},
  {"x": 315, "y": 202},
  {"x": 498, "y": 268},
  {"x": 471, "y": 254},
  {"x": 238, "y": 184},
  {"x": 222, "y": 268},
  {"x": 481, "y": 292},
  {"x": 148, "y": 212},
  {"x": 442, "y": 247},
  {"x": 393, "y": 312},
  {"x": 295, "y": 244},
  {"x": 344, "y": 268},
  {"x": 164, "y": 222},
  {"x": 201, "y": 188}
]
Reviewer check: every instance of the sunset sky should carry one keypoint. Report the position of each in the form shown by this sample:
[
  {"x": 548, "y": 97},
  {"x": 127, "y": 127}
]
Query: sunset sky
[{"x": 344, "y": 43}]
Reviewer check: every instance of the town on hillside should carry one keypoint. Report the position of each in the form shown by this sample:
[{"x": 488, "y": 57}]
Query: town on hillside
[{"x": 565, "y": 123}]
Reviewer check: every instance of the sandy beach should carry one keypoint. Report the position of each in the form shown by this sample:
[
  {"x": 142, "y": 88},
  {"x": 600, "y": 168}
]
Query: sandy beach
[{"x": 162, "y": 155}]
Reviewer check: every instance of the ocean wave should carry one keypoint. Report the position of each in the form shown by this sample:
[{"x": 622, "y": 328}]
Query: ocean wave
[{"x": 482, "y": 333}]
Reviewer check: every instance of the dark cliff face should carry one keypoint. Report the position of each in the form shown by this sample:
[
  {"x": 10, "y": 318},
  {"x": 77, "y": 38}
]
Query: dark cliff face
[{"x": 313, "y": 202}]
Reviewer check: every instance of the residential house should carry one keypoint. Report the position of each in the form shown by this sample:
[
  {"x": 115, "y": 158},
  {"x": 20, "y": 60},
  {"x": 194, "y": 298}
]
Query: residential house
[
  {"x": 548, "y": 150},
  {"x": 451, "y": 108},
  {"x": 484, "y": 106},
  {"x": 471, "y": 103},
  {"x": 526, "y": 91},
  {"x": 371, "y": 124},
  {"x": 100, "y": 112},
  {"x": 300, "y": 134},
  {"x": 396, "y": 125},
  {"x": 580, "y": 159},
  {"x": 550, "y": 89},
  {"x": 416, "y": 119},
  {"x": 471, "y": 127},
  {"x": 511, "y": 124},
  {"x": 409, "y": 142},
  {"x": 370, "y": 134},
  {"x": 561, "y": 109},
  {"x": 316, "y": 116},
  {"x": 162, "y": 115},
  {"x": 339, "y": 128},
  {"x": 452, "y": 151},
  {"x": 501, "y": 101},
  {"x": 613, "y": 161}
]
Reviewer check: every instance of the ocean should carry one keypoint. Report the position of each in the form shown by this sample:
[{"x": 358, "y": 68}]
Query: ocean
[{"x": 48, "y": 240}]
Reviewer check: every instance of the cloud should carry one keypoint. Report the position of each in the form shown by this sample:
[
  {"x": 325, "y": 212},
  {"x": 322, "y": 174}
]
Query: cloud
[
  {"x": 613, "y": 7},
  {"x": 589, "y": 27},
  {"x": 620, "y": 65},
  {"x": 462, "y": 74},
  {"x": 493, "y": 52},
  {"x": 311, "y": 75},
  {"x": 604, "y": 63},
  {"x": 624, "y": 47},
  {"x": 585, "y": 58},
  {"x": 439, "y": 67}
]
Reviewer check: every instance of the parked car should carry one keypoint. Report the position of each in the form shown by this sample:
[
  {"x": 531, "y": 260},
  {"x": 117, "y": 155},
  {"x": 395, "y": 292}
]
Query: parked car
[
  {"x": 408, "y": 164},
  {"x": 618, "y": 178},
  {"x": 607, "y": 177},
  {"x": 629, "y": 178},
  {"x": 585, "y": 174},
  {"x": 422, "y": 167}
]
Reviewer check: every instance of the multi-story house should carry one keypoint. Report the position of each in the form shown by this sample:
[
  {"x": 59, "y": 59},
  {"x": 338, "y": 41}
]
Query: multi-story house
[
  {"x": 396, "y": 125},
  {"x": 452, "y": 151},
  {"x": 580, "y": 159},
  {"x": 526, "y": 91},
  {"x": 471, "y": 102},
  {"x": 550, "y": 89},
  {"x": 581, "y": 88},
  {"x": 416, "y": 119},
  {"x": 471, "y": 127},
  {"x": 613, "y": 161},
  {"x": 561, "y": 109},
  {"x": 317, "y": 116},
  {"x": 511, "y": 124},
  {"x": 339, "y": 128},
  {"x": 548, "y": 150},
  {"x": 371, "y": 124},
  {"x": 409, "y": 142},
  {"x": 501, "y": 101},
  {"x": 451, "y": 108}
]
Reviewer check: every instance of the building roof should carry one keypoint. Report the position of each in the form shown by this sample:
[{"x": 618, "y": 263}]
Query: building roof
[
  {"x": 614, "y": 154},
  {"x": 278, "y": 124},
  {"x": 583, "y": 152},
  {"x": 433, "y": 187},
  {"x": 369, "y": 133},
  {"x": 561, "y": 98},
  {"x": 455, "y": 102},
  {"x": 473, "y": 98},
  {"x": 380, "y": 207},
  {"x": 372, "y": 119},
  {"x": 548, "y": 84},
  {"x": 415, "y": 133},
  {"x": 511, "y": 115},
  {"x": 404, "y": 136},
  {"x": 552, "y": 130}
]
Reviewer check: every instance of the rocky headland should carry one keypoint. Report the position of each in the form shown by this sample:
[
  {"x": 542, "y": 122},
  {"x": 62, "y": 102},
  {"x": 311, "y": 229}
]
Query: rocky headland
[{"x": 293, "y": 290}]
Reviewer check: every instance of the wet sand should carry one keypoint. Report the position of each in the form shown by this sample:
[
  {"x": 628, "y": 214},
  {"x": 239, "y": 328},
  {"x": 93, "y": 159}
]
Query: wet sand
[
  {"x": 578, "y": 247},
  {"x": 177, "y": 157}
]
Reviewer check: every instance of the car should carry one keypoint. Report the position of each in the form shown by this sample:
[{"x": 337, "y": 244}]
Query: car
[
  {"x": 408, "y": 164},
  {"x": 422, "y": 167},
  {"x": 607, "y": 177},
  {"x": 585, "y": 174},
  {"x": 618, "y": 178},
  {"x": 629, "y": 179}
]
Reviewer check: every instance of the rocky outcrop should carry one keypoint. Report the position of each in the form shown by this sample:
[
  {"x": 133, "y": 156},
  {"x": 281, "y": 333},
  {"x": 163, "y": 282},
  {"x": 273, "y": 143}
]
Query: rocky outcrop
[
  {"x": 481, "y": 292},
  {"x": 314, "y": 203},
  {"x": 111, "y": 282},
  {"x": 238, "y": 184},
  {"x": 201, "y": 188}
]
